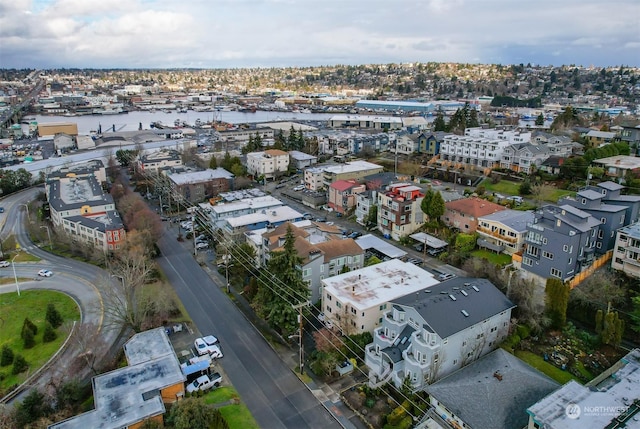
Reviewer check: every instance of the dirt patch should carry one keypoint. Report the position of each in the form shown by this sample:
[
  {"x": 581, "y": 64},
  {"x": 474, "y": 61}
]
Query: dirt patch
[{"x": 370, "y": 407}]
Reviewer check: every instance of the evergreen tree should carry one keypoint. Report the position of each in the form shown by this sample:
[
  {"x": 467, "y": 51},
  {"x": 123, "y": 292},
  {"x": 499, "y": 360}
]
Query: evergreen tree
[
  {"x": 540, "y": 120},
  {"x": 292, "y": 140},
  {"x": 227, "y": 163},
  {"x": 280, "y": 287},
  {"x": 213, "y": 162},
  {"x": 300, "y": 140},
  {"x": 53, "y": 316},
  {"x": 28, "y": 338},
  {"x": 556, "y": 301},
  {"x": 612, "y": 329},
  {"x": 438, "y": 123},
  {"x": 19, "y": 364},
  {"x": 28, "y": 324},
  {"x": 49, "y": 333},
  {"x": 6, "y": 356},
  {"x": 426, "y": 201},
  {"x": 473, "y": 119}
]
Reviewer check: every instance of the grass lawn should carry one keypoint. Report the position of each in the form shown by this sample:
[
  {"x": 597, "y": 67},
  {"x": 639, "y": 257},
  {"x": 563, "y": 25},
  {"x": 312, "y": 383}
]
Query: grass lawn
[
  {"x": 495, "y": 258},
  {"x": 22, "y": 257},
  {"x": 504, "y": 187},
  {"x": 31, "y": 304},
  {"x": 237, "y": 416},
  {"x": 539, "y": 363}
]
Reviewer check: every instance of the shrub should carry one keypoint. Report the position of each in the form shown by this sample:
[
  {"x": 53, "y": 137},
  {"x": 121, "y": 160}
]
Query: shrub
[
  {"x": 6, "y": 356},
  {"x": 19, "y": 365},
  {"x": 53, "y": 316},
  {"x": 49, "y": 333},
  {"x": 29, "y": 338},
  {"x": 523, "y": 331},
  {"x": 28, "y": 324}
]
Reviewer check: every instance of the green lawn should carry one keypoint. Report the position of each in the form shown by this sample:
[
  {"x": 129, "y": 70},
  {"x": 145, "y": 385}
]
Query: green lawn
[
  {"x": 22, "y": 257},
  {"x": 236, "y": 415},
  {"x": 31, "y": 304},
  {"x": 495, "y": 258},
  {"x": 504, "y": 187},
  {"x": 539, "y": 363}
]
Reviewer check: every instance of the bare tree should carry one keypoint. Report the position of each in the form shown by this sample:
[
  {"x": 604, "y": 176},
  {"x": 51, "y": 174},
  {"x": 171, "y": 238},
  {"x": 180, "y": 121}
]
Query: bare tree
[
  {"x": 91, "y": 347},
  {"x": 529, "y": 300},
  {"x": 542, "y": 192},
  {"x": 599, "y": 291}
]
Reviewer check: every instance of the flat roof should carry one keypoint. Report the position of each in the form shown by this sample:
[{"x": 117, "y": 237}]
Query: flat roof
[
  {"x": 200, "y": 176},
  {"x": 370, "y": 241},
  {"x": 613, "y": 400},
  {"x": 351, "y": 167},
  {"x": 270, "y": 215},
  {"x": 371, "y": 118},
  {"x": 620, "y": 161},
  {"x": 371, "y": 286},
  {"x": 429, "y": 240}
]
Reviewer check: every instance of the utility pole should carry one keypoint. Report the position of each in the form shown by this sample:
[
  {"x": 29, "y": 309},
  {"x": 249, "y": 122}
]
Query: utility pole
[{"x": 299, "y": 308}]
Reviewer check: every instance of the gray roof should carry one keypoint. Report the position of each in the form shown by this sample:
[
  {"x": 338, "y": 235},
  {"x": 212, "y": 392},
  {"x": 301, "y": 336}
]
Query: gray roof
[
  {"x": 482, "y": 400},
  {"x": 370, "y": 241},
  {"x": 479, "y": 298},
  {"x": 108, "y": 221},
  {"x": 73, "y": 193},
  {"x": 401, "y": 343},
  {"x": 611, "y": 186},
  {"x": 590, "y": 221},
  {"x": 591, "y": 194},
  {"x": 514, "y": 219}
]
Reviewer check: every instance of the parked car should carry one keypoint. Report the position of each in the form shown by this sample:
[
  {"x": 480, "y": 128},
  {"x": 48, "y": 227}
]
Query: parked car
[
  {"x": 299, "y": 188},
  {"x": 186, "y": 225},
  {"x": 205, "y": 382},
  {"x": 201, "y": 245},
  {"x": 215, "y": 352},
  {"x": 516, "y": 199},
  {"x": 354, "y": 234},
  {"x": 4, "y": 264},
  {"x": 307, "y": 216},
  {"x": 206, "y": 345},
  {"x": 321, "y": 219},
  {"x": 45, "y": 273},
  {"x": 211, "y": 340},
  {"x": 445, "y": 276}
]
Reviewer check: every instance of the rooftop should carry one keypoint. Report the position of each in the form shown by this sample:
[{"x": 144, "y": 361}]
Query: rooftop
[
  {"x": 632, "y": 230},
  {"x": 351, "y": 167},
  {"x": 474, "y": 206},
  {"x": 370, "y": 241},
  {"x": 377, "y": 284},
  {"x": 497, "y": 388},
  {"x": 69, "y": 193},
  {"x": 624, "y": 162},
  {"x": 270, "y": 215},
  {"x": 200, "y": 176},
  {"x": 514, "y": 219}
]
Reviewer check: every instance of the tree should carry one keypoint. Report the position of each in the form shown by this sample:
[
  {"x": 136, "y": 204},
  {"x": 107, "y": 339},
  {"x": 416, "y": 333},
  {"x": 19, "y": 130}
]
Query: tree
[
  {"x": 612, "y": 329},
  {"x": 28, "y": 333},
  {"x": 556, "y": 301},
  {"x": 194, "y": 413},
  {"x": 33, "y": 407},
  {"x": 540, "y": 120},
  {"x": 6, "y": 356},
  {"x": 525, "y": 187},
  {"x": 439, "y": 123},
  {"x": 280, "y": 287},
  {"x": 90, "y": 347},
  {"x": 242, "y": 262},
  {"x": 213, "y": 162},
  {"x": 426, "y": 202},
  {"x": 372, "y": 260},
  {"x": 53, "y": 316},
  {"x": 635, "y": 314},
  {"x": 598, "y": 291},
  {"x": 372, "y": 216},
  {"x": 19, "y": 364},
  {"x": 49, "y": 333}
]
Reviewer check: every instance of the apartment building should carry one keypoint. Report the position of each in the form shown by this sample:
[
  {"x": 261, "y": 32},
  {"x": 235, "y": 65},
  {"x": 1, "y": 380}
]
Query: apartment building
[
  {"x": 464, "y": 213},
  {"x": 399, "y": 210},
  {"x": 342, "y": 195},
  {"x": 504, "y": 230},
  {"x": 301, "y": 160},
  {"x": 196, "y": 186},
  {"x": 626, "y": 252},
  {"x": 356, "y": 301},
  {"x": 479, "y": 147},
  {"x": 431, "y": 332},
  {"x": 364, "y": 201},
  {"x": 269, "y": 163},
  {"x": 560, "y": 243},
  {"x": 156, "y": 161},
  {"x": 350, "y": 170},
  {"x": 234, "y": 228},
  {"x": 524, "y": 157}
]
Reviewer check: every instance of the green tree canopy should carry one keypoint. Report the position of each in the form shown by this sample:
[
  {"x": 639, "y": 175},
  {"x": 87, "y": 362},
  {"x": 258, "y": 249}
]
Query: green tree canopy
[{"x": 556, "y": 301}]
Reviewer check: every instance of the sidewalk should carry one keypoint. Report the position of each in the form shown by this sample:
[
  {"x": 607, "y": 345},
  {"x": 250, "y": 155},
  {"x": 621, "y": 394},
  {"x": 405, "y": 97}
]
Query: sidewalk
[{"x": 327, "y": 394}]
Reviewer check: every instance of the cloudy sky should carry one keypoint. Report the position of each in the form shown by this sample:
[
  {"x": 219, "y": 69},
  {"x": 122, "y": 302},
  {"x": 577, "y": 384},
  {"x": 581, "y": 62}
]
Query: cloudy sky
[{"x": 266, "y": 33}]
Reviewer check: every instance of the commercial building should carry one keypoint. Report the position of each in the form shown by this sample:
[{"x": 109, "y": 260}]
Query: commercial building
[{"x": 366, "y": 121}]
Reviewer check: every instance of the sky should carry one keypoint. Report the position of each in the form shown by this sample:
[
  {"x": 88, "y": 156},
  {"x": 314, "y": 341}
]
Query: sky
[{"x": 280, "y": 33}]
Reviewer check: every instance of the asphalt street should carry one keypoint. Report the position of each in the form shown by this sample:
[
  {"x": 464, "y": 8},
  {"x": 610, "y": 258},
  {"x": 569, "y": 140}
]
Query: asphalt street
[{"x": 272, "y": 392}]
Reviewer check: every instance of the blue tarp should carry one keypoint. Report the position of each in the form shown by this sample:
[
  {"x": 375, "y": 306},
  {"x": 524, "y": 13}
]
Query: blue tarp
[{"x": 196, "y": 367}]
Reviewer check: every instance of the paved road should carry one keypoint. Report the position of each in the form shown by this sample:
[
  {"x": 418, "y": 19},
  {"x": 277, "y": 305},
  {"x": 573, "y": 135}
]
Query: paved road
[{"x": 273, "y": 394}]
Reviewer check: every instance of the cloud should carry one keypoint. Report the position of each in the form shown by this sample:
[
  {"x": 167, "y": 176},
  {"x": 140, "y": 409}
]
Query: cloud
[{"x": 234, "y": 33}]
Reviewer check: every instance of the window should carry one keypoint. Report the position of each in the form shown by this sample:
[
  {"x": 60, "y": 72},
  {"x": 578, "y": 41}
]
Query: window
[
  {"x": 455, "y": 361},
  {"x": 556, "y": 273},
  {"x": 565, "y": 248},
  {"x": 527, "y": 261},
  {"x": 547, "y": 255},
  {"x": 383, "y": 307},
  {"x": 338, "y": 304},
  {"x": 603, "y": 220},
  {"x": 533, "y": 251},
  {"x": 600, "y": 233}
]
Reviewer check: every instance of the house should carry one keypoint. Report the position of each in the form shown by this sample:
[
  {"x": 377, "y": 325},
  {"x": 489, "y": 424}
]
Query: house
[
  {"x": 552, "y": 165},
  {"x": 630, "y": 133},
  {"x": 197, "y": 186},
  {"x": 560, "y": 243},
  {"x": 433, "y": 331},
  {"x": 608, "y": 401},
  {"x": 464, "y": 213},
  {"x": 479, "y": 147},
  {"x": 626, "y": 251},
  {"x": 342, "y": 195},
  {"x": 399, "y": 210},
  {"x": 80, "y": 208},
  {"x": 600, "y": 138},
  {"x": 498, "y": 388},
  {"x": 368, "y": 142},
  {"x": 269, "y": 164},
  {"x": 155, "y": 161},
  {"x": 429, "y": 143},
  {"x": 524, "y": 157},
  {"x": 302, "y": 160},
  {"x": 364, "y": 201},
  {"x": 504, "y": 231},
  {"x": 406, "y": 144},
  {"x": 355, "y": 301},
  {"x": 619, "y": 166},
  {"x": 126, "y": 397}
]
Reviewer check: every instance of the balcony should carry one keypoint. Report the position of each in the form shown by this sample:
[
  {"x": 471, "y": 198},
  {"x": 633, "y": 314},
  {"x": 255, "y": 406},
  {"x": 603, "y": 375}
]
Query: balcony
[{"x": 496, "y": 234}]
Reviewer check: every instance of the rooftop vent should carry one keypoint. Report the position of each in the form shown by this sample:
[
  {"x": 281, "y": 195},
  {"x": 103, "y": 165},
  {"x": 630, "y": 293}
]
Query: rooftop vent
[
  {"x": 467, "y": 284},
  {"x": 464, "y": 312},
  {"x": 464, "y": 293},
  {"x": 475, "y": 288},
  {"x": 453, "y": 298}
]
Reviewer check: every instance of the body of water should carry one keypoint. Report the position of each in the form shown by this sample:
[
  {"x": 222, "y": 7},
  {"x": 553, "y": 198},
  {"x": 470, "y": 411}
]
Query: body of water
[{"x": 132, "y": 121}]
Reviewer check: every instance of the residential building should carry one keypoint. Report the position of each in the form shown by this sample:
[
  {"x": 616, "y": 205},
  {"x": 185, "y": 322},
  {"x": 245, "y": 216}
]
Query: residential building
[
  {"x": 480, "y": 148},
  {"x": 314, "y": 178},
  {"x": 243, "y": 135},
  {"x": 498, "y": 388},
  {"x": 80, "y": 208},
  {"x": 373, "y": 143},
  {"x": 560, "y": 243},
  {"x": 504, "y": 230},
  {"x": 617, "y": 167},
  {"x": 349, "y": 170},
  {"x": 366, "y": 121},
  {"x": 626, "y": 252},
  {"x": 364, "y": 201},
  {"x": 524, "y": 157},
  {"x": 463, "y": 214},
  {"x": 399, "y": 210},
  {"x": 431, "y": 332},
  {"x": 302, "y": 160},
  {"x": 429, "y": 143},
  {"x": 320, "y": 259},
  {"x": 600, "y": 138},
  {"x": 406, "y": 144},
  {"x": 355, "y": 301},
  {"x": 219, "y": 213},
  {"x": 156, "y": 161},
  {"x": 552, "y": 165},
  {"x": 197, "y": 186},
  {"x": 269, "y": 164},
  {"x": 235, "y": 227},
  {"x": 342, "y": 195},
  {"x": 128, "y": 396},
  {"x": 608, "y": 401},
  {"x": 630, "y": 133}
]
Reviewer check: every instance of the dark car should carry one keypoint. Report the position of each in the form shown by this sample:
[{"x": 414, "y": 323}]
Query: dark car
[
  {"x": 354, "y": 234},
  {"x": 321, "y": 219}
]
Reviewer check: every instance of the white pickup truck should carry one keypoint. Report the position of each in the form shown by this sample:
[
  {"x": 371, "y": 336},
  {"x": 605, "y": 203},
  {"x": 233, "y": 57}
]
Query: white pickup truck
[{"x": 205, "y": 382}]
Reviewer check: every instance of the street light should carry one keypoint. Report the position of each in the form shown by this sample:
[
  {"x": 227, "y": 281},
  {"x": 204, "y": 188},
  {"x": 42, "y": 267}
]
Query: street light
[
  {"x": 14, "y": 273},
  {"x": 49, "y": 234}
]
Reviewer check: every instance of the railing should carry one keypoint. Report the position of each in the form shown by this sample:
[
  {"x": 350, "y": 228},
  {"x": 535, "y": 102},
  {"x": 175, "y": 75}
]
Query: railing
[{"x": 497, "y": 235}]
